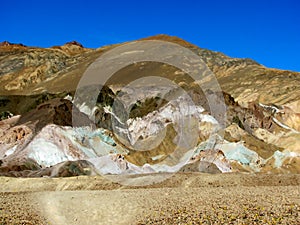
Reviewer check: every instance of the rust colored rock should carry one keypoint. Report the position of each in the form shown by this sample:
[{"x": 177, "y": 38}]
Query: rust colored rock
[
  {"x": 6, "y": 43},
  {"x": 74, "y": 43}
]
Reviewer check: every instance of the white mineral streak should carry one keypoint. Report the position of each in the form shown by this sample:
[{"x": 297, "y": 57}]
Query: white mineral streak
[{"x": 55, "y": 144}]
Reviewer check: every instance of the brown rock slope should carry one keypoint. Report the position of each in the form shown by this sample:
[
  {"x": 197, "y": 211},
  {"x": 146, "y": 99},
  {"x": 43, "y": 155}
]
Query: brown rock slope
[{"x": 27, "y": 70}]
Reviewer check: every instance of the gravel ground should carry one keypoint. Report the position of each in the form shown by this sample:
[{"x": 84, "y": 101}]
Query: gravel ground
[
  {"x": 16, "y": 208},
  {"x": 242, "y": 205},
  {"x": 181, "y": 200}
]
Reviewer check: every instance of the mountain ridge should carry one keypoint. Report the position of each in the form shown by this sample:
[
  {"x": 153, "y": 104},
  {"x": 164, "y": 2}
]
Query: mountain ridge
[{"x": 27, "y": 70}]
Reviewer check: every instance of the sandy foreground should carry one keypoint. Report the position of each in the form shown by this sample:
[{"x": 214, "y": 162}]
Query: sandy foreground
[{"x": 186, "y": 198}]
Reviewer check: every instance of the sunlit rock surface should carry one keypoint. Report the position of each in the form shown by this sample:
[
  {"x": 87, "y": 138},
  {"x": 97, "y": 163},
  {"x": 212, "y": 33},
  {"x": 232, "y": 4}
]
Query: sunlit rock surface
[{"x": 38, "y": 137}]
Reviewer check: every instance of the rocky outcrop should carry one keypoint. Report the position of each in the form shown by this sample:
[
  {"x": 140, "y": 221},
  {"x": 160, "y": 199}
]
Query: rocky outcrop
[
  {"x": 6, "y": 44},
  {"x": 65, "y": 169},
  {"x": 32, "y": 70},
  {"x": 75, "y": 43},
  {"x": 56, "y": 111}
]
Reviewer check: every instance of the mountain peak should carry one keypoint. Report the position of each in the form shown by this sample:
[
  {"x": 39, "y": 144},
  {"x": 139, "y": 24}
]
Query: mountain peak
[
  {"x": 74, "y": 43},
  {"x": 174, "y": 39},
  {"x": 6, "y": 43}
]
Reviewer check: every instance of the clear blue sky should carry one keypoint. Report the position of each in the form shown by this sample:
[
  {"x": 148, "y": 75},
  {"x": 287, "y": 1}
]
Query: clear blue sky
[{"x": 266, "y": 31}]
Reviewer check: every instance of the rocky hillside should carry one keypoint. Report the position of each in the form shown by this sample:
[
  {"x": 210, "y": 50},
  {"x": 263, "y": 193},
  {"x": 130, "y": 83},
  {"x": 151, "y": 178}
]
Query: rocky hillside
[{"x": 262, "y": 132}]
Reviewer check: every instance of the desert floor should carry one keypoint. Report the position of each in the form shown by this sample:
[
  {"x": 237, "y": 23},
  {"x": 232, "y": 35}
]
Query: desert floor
[{"x": 186, "y": 198}]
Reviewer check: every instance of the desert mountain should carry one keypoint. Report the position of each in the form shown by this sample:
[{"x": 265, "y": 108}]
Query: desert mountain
[
  {"x": 27, "y": 70},
  {"x": 262, "y": 132}
]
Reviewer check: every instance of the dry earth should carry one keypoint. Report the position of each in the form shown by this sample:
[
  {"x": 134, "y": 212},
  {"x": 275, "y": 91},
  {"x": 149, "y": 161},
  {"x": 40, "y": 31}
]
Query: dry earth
[{"x": 187, "y": 198}]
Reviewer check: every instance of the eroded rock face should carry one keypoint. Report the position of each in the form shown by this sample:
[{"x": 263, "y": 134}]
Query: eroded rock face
[
  {"x": 50, "y": 145},
  {"x": 261, "y": 132},
  {"x": 21, "y": 136},
  {"x": 65, "y": 169},
  {"x": 27, "y": 70},
  {"x": 55, "y": 111},
  {"x": 45, "y": 136},
  {"x": 208, "y": 161},
  {"x": 289, "y": 117}
]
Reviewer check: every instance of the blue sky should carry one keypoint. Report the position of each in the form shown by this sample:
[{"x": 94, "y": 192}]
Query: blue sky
[{"x": 266, "y": 31}]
